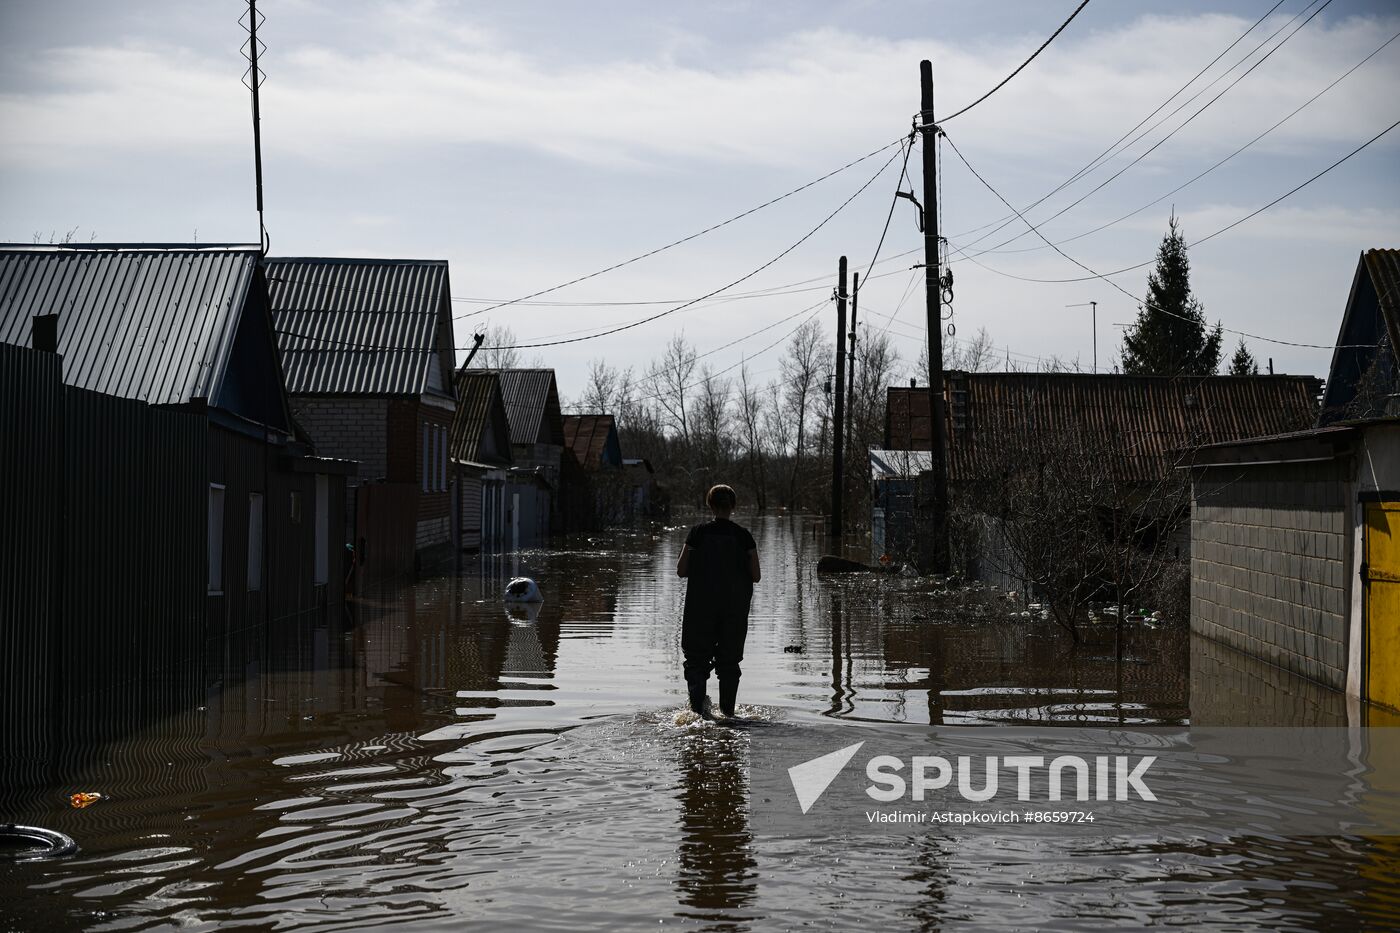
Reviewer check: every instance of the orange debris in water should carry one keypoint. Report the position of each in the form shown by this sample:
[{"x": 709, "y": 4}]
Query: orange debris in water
[{"x": 84, "y": 800}]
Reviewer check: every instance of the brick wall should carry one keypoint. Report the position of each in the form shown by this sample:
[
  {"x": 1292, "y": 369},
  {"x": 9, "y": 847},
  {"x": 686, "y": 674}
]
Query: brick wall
[
  {"x": 1269, "y": 557},
  {"x": 347, "y": 429}
]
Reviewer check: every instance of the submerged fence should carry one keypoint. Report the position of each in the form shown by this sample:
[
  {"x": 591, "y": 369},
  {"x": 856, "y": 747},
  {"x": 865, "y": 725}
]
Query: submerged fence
[{"x": 102, "y": 576}]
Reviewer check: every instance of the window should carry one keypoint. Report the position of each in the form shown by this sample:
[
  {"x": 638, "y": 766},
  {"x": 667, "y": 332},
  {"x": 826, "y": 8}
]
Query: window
[
  {"x": 255, "y": 541},
  {"x": 427, "y": 454},
  {"x": 323, "y": 530},
  {"x": 442, "y": 460},
  {"x": 216, "y": 539}
]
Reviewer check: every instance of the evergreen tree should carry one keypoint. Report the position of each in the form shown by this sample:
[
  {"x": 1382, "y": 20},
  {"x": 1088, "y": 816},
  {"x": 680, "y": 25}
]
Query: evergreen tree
[
  {"x": 1243, "y": 362},
  {"x": 1171, "y": 337}
]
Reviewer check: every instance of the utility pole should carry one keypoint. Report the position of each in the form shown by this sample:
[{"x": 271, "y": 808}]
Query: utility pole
[
  {"x": 839, "y": 415},
  {"x": 1093, "y": 307},
  {"x": 851, "y": 356},
  {"x": 934, "y": 555}
]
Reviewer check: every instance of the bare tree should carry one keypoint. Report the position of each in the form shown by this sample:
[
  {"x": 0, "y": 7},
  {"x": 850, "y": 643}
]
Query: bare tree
[
  {"x": 750, "y": 414},
  {"x": 600, "y": 391},
  {"x": 712, "y": 423},
  {"x": 669, "y": 382},
  {"x": 777, "y": 426},
  {"x": 804, "y": 365},
  {"x": 498, "y": 350}
]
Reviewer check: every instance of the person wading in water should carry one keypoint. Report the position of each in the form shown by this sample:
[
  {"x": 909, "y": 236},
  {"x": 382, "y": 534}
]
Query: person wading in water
[{"x": 720, "y": 564}]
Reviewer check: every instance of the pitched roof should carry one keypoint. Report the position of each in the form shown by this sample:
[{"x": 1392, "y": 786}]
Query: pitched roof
[
  {"x": 532, "y": 404},
  {"x": 363, "y": 326},
  {"x": 1372, "y": 312},
  {"x": 1151, "y": 416},
  {"x": 157, "y": 324},
  {"x": 593, "y": 439},
  {"x": 480, "y": 428}
]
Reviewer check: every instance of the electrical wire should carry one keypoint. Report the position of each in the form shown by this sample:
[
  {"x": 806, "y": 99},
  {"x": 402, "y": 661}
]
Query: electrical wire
[
  {"x": 1003, "y": 82},
  {"x": 636, "y": 323},
  {"x": 1110, "y": 179},
  {"x": 1107, "y": 153},
  {"x": 687, "y": 239},
  {"x": 1299, "y": 109},
  {"x": 1211, "y": 236}
]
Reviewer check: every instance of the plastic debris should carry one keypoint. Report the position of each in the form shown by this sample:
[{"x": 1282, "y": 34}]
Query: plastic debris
[{"x": 84, "y": 799}]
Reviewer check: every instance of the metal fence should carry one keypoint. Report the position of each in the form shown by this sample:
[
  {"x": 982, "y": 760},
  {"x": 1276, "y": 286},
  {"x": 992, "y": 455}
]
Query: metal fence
[{"x": 102, "y": 576}]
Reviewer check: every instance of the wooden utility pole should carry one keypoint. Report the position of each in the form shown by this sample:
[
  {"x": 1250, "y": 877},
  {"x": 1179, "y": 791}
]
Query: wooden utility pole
[
  {"x": 851, "y": 368},
  {"x": 934, "y": 553},
  {"x": 839, "y": 415}
]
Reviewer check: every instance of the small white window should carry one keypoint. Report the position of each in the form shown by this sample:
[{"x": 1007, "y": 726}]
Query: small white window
[
  {"x": 442, "y": 459},
  {"x": 216, "y": 539},
  {"x": 323, "y": 529},
  {"x": 255, "y": 541},
  {"x": 427, "y": 454}
]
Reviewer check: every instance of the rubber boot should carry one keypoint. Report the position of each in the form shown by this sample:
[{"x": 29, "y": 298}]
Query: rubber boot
[
  {"x": 698, "y": 698},
  {"x": 728, "y": 693}
]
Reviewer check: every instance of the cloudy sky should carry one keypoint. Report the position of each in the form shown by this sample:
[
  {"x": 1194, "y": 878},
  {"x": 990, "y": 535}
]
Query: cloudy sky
[{"x": 531, "y": 143}]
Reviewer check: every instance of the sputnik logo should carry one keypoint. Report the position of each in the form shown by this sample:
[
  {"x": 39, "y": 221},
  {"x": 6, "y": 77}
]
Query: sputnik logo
[{"x": 811, "y": 778}]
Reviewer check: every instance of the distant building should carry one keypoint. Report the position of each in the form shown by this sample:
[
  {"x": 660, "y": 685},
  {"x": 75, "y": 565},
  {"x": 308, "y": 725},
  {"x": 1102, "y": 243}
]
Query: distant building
[
  {"x": 537, "y": 445},
  {"x": 1139, "y": 424},
  {"x": 481, "y": 454},
  {"x": 641, "y": 483},
  {"x": 593, "y": 439},
  {"x": 367, "y": 349},
  {"x": 1294, "y": 556}
]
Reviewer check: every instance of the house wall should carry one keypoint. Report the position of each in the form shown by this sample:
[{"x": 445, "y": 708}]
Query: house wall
[
  {"x": 1271, "y": 552},
  {"x": 348, "y": 429},
  {"x": 548, "y": 456},
  {"x": 406, "y": 418}
]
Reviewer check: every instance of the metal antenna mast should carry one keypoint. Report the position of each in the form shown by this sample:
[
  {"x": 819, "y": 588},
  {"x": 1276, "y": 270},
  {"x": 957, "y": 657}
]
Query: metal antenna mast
[{"x": 252, "y": 80}]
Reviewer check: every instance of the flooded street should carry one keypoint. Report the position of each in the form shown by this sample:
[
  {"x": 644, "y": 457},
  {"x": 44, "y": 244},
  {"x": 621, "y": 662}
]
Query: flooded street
[{"x": 435, "y": 760}]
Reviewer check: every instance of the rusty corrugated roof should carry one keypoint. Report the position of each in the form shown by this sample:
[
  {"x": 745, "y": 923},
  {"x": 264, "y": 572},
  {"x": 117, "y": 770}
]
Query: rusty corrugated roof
[
  {"x": 155, "y": 324},
  {"x": 363, "y": 326},
  {"x": 480, "y": 428},
  {"x": 1149, "y": 417},
  {"x": 593, "y": 439},
  {"x": 532, "y": 404}
]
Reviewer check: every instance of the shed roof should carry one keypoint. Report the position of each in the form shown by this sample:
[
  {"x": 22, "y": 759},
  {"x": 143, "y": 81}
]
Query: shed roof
[
  {"x": 481, "y": 413},
  {"x": 156, "y": 324},
  {"x": 1153, "y": 417},
  {"x": 532, "y": 404},
  {"x": 363, "y": 326},
  {"x": 593, "y": 439}
]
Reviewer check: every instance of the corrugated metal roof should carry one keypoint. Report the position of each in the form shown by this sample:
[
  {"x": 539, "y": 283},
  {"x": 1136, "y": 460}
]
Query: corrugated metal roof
[
  {"x": 1150, "y": 416},
  {"x": 1384, "y": 268},
  {"x": 361, "y": 326},
  {"x": 532, "y": 404},
  {"x": 480, "y": 408},
  {"x": 588, "y": 436},
  {"x": 137, "y": 322}
]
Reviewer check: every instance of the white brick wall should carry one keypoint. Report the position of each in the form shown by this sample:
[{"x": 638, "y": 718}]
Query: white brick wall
[{"x": 1269, "y": 565}]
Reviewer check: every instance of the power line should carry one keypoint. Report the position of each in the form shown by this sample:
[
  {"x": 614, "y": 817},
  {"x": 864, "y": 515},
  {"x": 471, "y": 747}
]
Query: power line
[
  {"x": 1019, "y": 68},
  {"x": 687, "y": 239},
  {"x": 1110, "y": 179},
  {"x": 1001, "y": 222},
  {"x": 636, "y": 323},
  {"x": 743, "y": 278},
  {"x": 1299, "y": 109},
  {"x": 1211, "y": 236}
]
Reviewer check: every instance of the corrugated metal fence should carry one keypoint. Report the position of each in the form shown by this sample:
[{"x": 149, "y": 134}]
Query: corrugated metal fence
[{"x": 103, "y": 505}]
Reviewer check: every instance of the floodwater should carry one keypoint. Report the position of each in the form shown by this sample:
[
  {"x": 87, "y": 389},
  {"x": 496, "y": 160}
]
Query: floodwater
[{"x": 433, "y": 761}]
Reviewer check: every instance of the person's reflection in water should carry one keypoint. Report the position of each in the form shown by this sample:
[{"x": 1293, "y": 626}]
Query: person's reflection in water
[{"x": 716, "y": 873}]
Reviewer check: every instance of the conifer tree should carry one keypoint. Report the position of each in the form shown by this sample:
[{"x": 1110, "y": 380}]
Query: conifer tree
[
  {"x": 1170, "y": 336},
  {"x": 1243, "y": 362}
]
